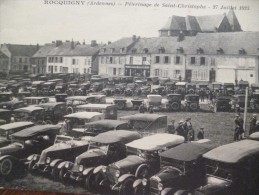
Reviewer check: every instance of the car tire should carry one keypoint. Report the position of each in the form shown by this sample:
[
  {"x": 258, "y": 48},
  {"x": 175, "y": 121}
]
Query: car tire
[
  {"x": 55, "y": 173},
  {"x": 48, "y": 122},
  {"x": 61, "y": 177},
  {"x": 30, "y": 167},
  {"x": 120, "y": 105},
  {"x": 6, "y": 167},
  {"x": 175, "y": 106},
  {"x": 126, "y": 188},
  {"x": 70, "y": 110},
  {"x": 92, "y": 182}
]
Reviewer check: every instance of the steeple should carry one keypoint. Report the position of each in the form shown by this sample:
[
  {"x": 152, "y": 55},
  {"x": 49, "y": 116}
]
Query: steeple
[{"x": 235, "y": 26}]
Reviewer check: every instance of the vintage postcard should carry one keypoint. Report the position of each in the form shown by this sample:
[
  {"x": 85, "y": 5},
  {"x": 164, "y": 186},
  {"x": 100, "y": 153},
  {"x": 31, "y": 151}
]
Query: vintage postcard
[{"x": 129, "y": 96}]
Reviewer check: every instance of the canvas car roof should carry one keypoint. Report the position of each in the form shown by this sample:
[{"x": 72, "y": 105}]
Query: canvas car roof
[
  {"x": 49, "y": 83},
  {"x": 143, "y": 117},
  {"x": 50, "y": 104},
  {"x": 180, "y": 83},
  {"x": 187, "y": 151},
  {"x": 28, "y": 109},
  {"x": 4, "y": 110},
  {"x": 31, "y": 131},
  {"x": 95, "y": 105},
  {"x": 123, "y": 136},
  {"x": 37, "y": 82},
  {"x": 83, "y": 115},
  {"x": 156, "y": 142},
  {"x": 233, "y": 152},
  {"x": 107, "y": 123},
  {"x": 79, "y": 98},
  {"x": 12, "y": 102},
  {"x": 6, "y": 93},
  {"x": 34, "y": 98},
  {"x": 15, "y": 125},
  {"x": 254, "y": 136}
]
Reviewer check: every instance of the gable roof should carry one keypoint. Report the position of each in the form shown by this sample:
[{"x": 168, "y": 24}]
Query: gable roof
[
  {"x": 84, "y": 50},
  {"x": 44, "y": 50},
  {"x": 62, "y": 49},
  {"x": 3, "y": 55},
  {"x": 210, "y": 23},
  {"x": 175, "y": 23},
  {"x": 233, "y": 21},
  {"x": 22, "y": 50}
]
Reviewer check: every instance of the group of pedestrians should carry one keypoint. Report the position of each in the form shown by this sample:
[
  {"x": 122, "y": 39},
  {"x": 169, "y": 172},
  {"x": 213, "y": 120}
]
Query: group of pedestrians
[{"x": 142, "y": 108}]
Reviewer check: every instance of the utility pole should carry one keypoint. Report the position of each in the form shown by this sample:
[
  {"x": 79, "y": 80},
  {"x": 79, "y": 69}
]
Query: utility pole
[{"x": 245, "y": 111}]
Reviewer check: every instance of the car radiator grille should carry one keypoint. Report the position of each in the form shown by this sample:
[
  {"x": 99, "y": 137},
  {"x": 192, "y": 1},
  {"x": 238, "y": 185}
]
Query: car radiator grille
[
  {"x": 111, "y": 175},
  {"x": 153, "y": 187}
]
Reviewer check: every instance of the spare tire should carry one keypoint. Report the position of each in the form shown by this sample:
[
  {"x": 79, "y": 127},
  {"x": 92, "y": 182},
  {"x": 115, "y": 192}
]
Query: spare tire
[
  {"x": 193, "y": 106},
  {"x": 70, "y": 110},
  {"x": 120, "y": 105},
  {"x": 175, "y": 106}
]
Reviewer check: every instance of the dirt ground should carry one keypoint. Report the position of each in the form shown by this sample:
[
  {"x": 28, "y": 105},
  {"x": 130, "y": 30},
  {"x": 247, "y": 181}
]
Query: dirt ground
[{"x": 218, "y": 127}]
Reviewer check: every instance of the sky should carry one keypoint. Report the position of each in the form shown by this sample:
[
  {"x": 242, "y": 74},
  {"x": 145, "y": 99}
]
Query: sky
[{"x": 44, "y": 21}]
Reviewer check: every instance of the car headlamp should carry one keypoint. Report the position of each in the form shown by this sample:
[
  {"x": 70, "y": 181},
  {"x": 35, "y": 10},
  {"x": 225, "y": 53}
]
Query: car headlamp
[
  {"x": 67, "y": 165},
  {"x": 34, "y": 157},
  {"x": 160, "y": 186},
  {"x": 117, "y": 173},
  {"x": 144, "y": 182},
  {"x": 48, "y": 160},
  {"x": 104, "y": 169},
  {"x": 81, "y": 168}
]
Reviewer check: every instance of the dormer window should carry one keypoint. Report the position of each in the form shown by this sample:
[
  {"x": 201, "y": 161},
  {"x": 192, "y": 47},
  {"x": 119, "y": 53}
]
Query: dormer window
[
  {"x": 199, "y": 51},
  {"x": 242, "y": 51},
  {"x": 161, "y": 50},
  {"x": 112, "y": 50},
  {"x": 179, "y": 50},
  {"x": 145, "y": 50},
  {"x": 121, "y": 50},
  {"x": 134, "y": 50},
  {"x": 220, "y": 51}
]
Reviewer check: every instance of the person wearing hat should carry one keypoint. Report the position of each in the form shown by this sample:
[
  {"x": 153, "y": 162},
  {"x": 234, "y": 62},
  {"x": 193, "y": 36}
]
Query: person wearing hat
[
  {"x": 200, "y": 134},
  {"x": 180, "y": 130},
  {"x": 171, "y": 127},
  {"x": 253, "y": 121},
  {"x": 256, "y": 129},
  {"x": 142, "y": 108},
  {"x": 239, "y": 130},
  {"x": 151, "y": 109}
]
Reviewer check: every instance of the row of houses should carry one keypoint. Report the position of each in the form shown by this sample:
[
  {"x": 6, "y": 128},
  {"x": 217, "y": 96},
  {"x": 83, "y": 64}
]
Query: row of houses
[{"x": 207, "y": 48}]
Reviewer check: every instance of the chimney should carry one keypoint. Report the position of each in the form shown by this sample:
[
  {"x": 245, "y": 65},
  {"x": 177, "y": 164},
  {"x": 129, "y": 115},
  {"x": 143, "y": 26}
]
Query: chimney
[
  {"x": 72, "y": 44},
  {"x": 84, "y": 42},
  {"x": 93, "y": 43},
  {"x": 58, "y": 43},
  {"x": 37, "y": 46},
  {"x": 67, "y": 41},
  {"x": 109, "y": 42},
  {"x": 134, "y": 38}
]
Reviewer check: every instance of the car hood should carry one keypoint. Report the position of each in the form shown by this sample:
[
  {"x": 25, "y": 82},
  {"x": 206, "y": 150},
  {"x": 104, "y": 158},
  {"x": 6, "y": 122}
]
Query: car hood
[
  {"x": 167, "y": 173},
  {"x": 52, "y": 150},
  {"x": 214, "y": 185},
  {"x": 130, "y": 161},
  {"x": 12, "y": 148},
  {"x": 90, "y": 154},
  {"x": 4, "y": 141}
]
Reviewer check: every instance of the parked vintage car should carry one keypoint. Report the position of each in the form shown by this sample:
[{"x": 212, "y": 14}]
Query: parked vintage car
[
  {"x": 238, "y": 102},
  {"x": 83, "y": 89},
  {"x": 191, "y": 102},
  {"x": 232, "y": 169},
  {"x": 54, "y": 111},
  {"x": 72, "y": 88},
  {"x": 31, "y": 140},
  {"x": 65, "y": 148},
  {"x": 181, "y": 170},
  {"x": 254, "y": 136},
  {"x": 35, "y": 100},
  {"x": 48, "y": 88},
  {"x": 229, "y": 89},
  {"x": 136, "y": 103},
  {"x": 146, "y": 122},
  {"x": 5, "y": 115},
  {"x": 216, "y": 86},
  {"x": 60, "y": 88},
  {"x": 109, "y": 90},
  {"x": 30, "y": 113},
  {"x": 8, "y": 129},
  {"x": 61, "y": 97},
  {"x": 78, "y": 120},
  {"x": 36, "y": 87},
  {"x": 12, "y": 105},
  {"x": 97, "y": 86},
  {"x": 254, "y": 102},
  {"x": 104, "y": 149},
  {"x": 220, "y": 103},
  {"x": 155, "y": 101},
  {"x": 142, "y": 162},
  {"x": 109, "y": 110},
  {"x": 121, "y": 103},
  {"x": 6, "y": 96},
  {"x": 174, "y": 102}
]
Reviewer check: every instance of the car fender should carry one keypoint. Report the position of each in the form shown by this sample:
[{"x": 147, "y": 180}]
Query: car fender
[
  {"x": 31, "y": 157},
  {"x": 181, "y": 192},
  {"x": 98, "y": 169},
  {"x": 88, "y": 171},
  {"x": 124, "y": 177},
  {"x": 62, "y": 164},
  {"x": 167, "y": 191},
  {"x": 140, "y": 167},
  {"x": 55, "y": 162},
  {"x": 137, "y": 183},
  {"x": 10, "y": 157}
]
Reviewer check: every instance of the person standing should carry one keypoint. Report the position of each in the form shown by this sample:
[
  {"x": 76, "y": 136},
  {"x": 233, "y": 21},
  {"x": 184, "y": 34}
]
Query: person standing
[
  {"x": 256, "y": 126},
  {"x": 253, "y": 121},
  {"x": 180, "y": 130},
  {"x": 171, "y": 127},
  {"x": 150, "y": 109},
  {"x": 142, "y": 108},
  {"x": 200, "y": 134},
  {"x": 239, "y": 130}
]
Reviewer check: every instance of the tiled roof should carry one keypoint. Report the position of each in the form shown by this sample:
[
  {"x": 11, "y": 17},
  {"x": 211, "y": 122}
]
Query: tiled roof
[
  {"x": 175, "y": 23},
  {"x": 210, "y": 22},
  {"x": 61, "y": 50},
  {"x": 192, "y": 24},
  {"x": 22, "y": 50},
  {"x": 44, "y": 50},
  {"x": 233, "y": 21},
  {"x": 2, "y": 55}
]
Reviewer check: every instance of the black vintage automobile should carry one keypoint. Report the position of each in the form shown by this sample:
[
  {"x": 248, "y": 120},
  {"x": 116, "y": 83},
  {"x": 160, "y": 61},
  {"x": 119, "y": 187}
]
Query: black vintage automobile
[
  {"x": 220, "y": 103},
  {"x": 12, "y": 105},
  {"x": 254, "y": 102},
  {"x": 35, "y": 100},
  {"x": 72, "y": 88},
  {"x": 8, "y": 129},
  {"x": 31, "y": 140},
  {"x": 238, "y": 102},
  {"x": 174, "y": 102},
  {"x": 83, "y": 89},
  {"x": 229, "y": 89},
  {"x": 103, "y": 149},
  {"x": 232, "y": 169},
  {"x": 60, "y": 88},
  {"x": 48, "y": 88},
  {"x": 191, "y": 102},
  {"x": 54, "y": 111},
  {"x": 5, "y": 115},
  {"x": 182, "y": 170},
  {"x": 142, "y": 162},
  {"x": 60, "y": 97},
  {"x": 6, "y": 96},
  {"x": 65, "y": 148},
  {"x": 30, "y": 113},
  {"x": 36, "y": 87}
]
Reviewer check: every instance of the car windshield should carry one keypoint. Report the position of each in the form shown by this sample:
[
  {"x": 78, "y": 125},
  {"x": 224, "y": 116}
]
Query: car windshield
[
  {"x": 99, "y": 146},
  {"x": 165, "y": 162},
  {"x": 62, "y": 139},
  {"x": 21, "y": 115},
  {"x": 219, "y": 169}
]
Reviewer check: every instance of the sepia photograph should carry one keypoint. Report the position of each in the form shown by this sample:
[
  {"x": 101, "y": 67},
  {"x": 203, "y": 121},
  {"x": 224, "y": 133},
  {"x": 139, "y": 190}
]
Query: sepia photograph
[{"x": 129, "y": 97}]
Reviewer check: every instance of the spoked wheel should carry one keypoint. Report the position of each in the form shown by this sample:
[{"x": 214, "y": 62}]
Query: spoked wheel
[
  {"x": 6, "y": 167},
  {"x": 92, "y": 182},
  {"x": 55, "y": 173},
  {"x": 62, "y": 177},
  {"x": 126, "y": 187}
]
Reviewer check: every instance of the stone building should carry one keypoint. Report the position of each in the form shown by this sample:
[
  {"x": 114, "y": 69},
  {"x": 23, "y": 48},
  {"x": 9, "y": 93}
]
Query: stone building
[{"x": 4, "y": 61}]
